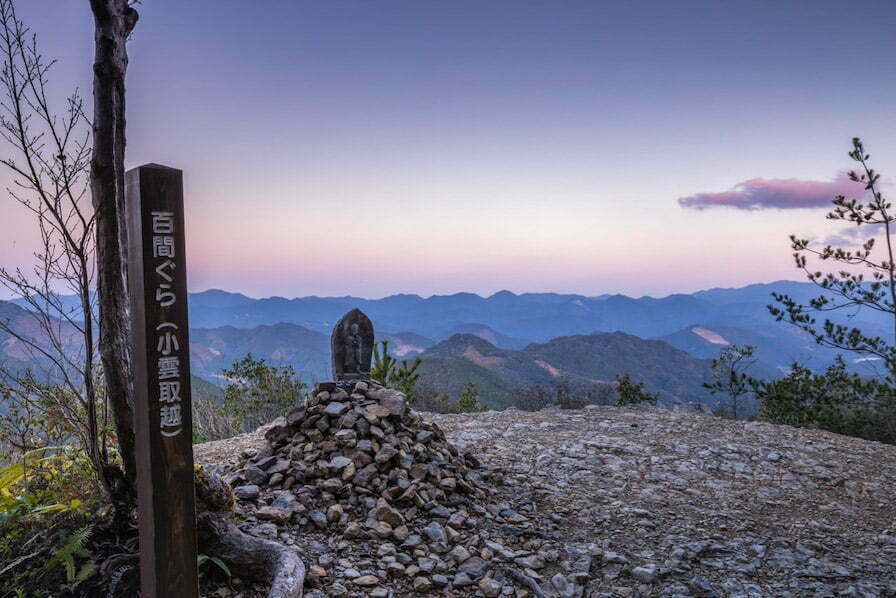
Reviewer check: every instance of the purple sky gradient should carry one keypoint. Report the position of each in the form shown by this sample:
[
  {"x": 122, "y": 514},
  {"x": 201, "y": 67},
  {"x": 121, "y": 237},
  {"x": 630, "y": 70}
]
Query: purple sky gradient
[{"x": 374, "y": 148}]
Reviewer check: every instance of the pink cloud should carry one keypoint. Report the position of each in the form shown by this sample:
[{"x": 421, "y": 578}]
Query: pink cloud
[{"x": 783, "y": 194}]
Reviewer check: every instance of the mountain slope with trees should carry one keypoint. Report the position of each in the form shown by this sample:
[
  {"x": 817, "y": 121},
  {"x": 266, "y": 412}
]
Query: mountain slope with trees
[
  {"x": 592, "y": 359},
  {"x": 212, "y": 350}
]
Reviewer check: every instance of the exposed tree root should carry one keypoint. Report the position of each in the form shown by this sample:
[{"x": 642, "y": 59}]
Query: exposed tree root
[
  {"x": 250, "y": 557},
  {"x": 524, "y": 580}
]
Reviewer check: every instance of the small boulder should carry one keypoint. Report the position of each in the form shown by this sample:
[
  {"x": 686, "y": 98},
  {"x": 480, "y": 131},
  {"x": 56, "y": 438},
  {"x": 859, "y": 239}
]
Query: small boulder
[
  {"x": 346, "y": 437},
  {"x": 646, "y": 574},
  {"x": 373, "y": 413},
  {"x": 385, "y": 455},
  {"x": 562, "y": 587},
  {"x": 325, "y": 386},
  {"x": 255, "y": 475},
  {"x": 279, "y": 466},
  {"x": 295, "y": 417},
  {"x": 534, "y": 562},
  {"x": 489, "y": 587},
  {"x": 318, "y": 519},
  {"x": 339, "y": 462},
  {"x": 459, "y": 554},
  {"x": 278, "y": 432},
  {"x": 275, "y": 514},
  {"x": 395, "y": 402},
  {"x": 248, "y": 492},
  {"x": 335, "y": 408},
  {"x": 334, "y": 513},
  {"x": 384, "y": 512},
  {"x": 474, "y": 566},
  {"x": 366, "y": 581},
  {"x": 434, "y": 532},
  {"x": 422, "y": 584}
]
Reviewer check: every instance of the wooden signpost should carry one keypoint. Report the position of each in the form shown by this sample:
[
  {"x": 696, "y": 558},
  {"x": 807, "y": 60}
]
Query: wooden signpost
[{"x": 161, "y": 361}]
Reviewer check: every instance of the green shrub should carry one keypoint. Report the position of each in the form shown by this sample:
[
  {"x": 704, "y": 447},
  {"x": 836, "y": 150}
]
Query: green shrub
[
  {"x": 630, "y": 392},
  {"x": 836, "y": 400},
  {"x": 468, "y": 402},
  {"x": 44, "y": 522},
  {"x": 388, "y": 371},
  {"x": 257, "y": 394},
  {"x": 729, "y": 378}
]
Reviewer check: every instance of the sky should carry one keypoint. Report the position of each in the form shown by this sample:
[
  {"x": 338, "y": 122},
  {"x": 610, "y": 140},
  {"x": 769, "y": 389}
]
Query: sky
[{"x": 372, "y": 148}]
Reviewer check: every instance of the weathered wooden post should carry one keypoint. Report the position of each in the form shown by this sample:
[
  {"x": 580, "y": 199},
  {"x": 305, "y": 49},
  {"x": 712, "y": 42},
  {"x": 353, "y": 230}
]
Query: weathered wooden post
[{"x": 161, "y": 361}]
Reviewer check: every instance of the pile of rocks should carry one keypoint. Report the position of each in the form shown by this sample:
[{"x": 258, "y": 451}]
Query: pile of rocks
[
  {"x": 382, "y": 488},
  {"x": 599, "y": 502}
]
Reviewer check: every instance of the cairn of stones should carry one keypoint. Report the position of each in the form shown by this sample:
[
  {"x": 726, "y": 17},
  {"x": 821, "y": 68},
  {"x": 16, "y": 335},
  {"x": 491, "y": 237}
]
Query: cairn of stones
[{"x": 355, "y": 463}]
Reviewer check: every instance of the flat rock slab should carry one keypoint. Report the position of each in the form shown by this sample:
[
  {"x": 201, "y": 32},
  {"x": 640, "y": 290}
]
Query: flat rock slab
[
  {"x": 630, "y": 502},
  {"x": 697, "y": 504}
]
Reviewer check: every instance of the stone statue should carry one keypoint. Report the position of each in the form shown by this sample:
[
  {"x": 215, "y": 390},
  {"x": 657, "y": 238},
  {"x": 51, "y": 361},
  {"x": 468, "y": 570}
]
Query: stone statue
[
  {"x": 352, "y": 346},
  {"x": 353, "y": 357}
]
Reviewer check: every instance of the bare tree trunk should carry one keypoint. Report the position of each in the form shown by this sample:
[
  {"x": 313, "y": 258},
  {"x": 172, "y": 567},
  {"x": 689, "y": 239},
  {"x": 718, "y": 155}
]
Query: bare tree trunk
[{"x": 114, "y": 21}]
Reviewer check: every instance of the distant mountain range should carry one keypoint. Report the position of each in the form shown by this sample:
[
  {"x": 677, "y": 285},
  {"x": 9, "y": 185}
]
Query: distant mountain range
[
  {"x": 512, "y": 321},
  {"x": 527, "y": 338},
  {"x": 15, "y": 355},
  {"x": 592, "y": 359}
]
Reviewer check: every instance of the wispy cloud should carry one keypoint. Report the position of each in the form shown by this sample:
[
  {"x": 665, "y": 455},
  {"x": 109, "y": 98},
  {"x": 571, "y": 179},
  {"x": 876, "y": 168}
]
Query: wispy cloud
[
  {"x": 782, "y": 194},
  {"x": 853, "y": 236}
]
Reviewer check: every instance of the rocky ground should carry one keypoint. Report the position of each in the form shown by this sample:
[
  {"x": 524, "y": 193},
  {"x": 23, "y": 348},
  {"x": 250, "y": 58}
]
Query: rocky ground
[{"x": 597, "y": 502}]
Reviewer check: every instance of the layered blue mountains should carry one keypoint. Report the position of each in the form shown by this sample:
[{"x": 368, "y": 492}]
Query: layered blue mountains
[{"x": 507, "y": 340}]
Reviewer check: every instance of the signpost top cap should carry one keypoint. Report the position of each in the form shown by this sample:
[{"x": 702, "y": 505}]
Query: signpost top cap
[{"x": 154, "y": 166}]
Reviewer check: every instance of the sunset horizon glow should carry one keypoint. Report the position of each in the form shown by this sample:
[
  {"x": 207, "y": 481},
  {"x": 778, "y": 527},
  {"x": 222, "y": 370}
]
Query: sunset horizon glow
[{"x": 588, "y": 148}]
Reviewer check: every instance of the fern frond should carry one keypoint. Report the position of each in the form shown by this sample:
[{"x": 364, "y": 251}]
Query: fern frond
[
  {"x": 65, "y": 555},
  {"x": 86, "y": 571}
]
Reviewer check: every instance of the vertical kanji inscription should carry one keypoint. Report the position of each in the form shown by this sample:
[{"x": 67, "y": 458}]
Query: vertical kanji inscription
[{"x": 161, "y": 361}]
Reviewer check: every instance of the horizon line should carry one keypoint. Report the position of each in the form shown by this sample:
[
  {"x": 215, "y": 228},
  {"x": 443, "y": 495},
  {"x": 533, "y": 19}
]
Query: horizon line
[{"x": 500, "y": 292}]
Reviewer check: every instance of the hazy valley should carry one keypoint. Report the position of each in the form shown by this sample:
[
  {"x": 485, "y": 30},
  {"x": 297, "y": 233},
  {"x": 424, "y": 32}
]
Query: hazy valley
[{"x": 507, "y": 341}]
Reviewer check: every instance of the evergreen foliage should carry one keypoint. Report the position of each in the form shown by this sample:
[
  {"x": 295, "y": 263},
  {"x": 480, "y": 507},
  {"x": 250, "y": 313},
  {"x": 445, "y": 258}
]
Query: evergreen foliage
[
  {"x": 468, "y": 402},
  {"x": 632, "y": 393},
  {"x": 729, "y": 377},
  {"x": 848, "y": 288},
  {"x": 388, "y": 371},
  {"x": 383, "y": 363},
  {"x": 836, "y": 400}
]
